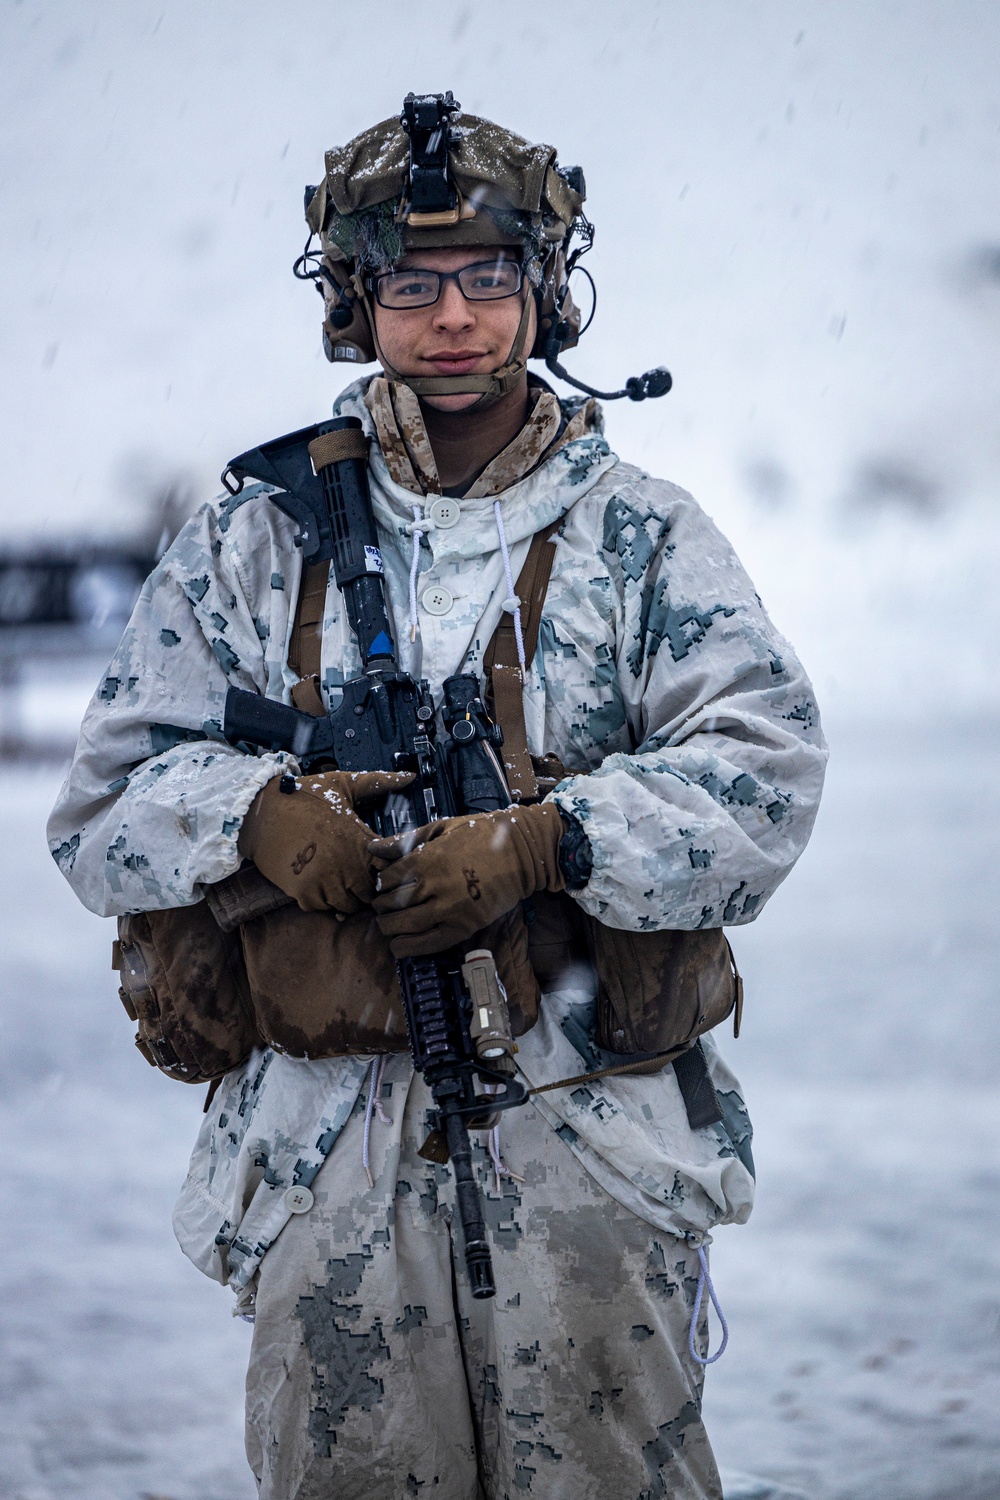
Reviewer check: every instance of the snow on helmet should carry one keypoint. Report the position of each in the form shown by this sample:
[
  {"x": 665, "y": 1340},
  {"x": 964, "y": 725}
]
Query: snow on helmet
[{"x": 434, "y": 178}]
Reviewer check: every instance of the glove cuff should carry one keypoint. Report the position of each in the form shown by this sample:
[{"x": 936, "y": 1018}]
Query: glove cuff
[
  {"x": 542, "y": 828},
  {"x": 257, "y": 820}
]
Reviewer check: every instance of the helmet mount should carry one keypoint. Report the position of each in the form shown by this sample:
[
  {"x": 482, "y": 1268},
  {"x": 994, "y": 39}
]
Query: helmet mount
[
  {"x": 432, "y": 199},
  {"x": 434, "y": 178}
]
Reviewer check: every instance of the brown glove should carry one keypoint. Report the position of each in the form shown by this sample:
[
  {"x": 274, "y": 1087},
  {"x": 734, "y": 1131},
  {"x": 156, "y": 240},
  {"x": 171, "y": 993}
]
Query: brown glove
[
  {"x": 310, "y": 841},
  {"x": 439, "y": 885}
]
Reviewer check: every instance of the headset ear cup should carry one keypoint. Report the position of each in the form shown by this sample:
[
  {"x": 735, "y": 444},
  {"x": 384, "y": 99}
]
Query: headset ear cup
[
  {"x": 353, "y": 342},
  {"x": 570, "y": 323},
  {"x": 357, "y": 335},
  {"x": 544, "y": 311},
  {"x": 553, "y": 294}
]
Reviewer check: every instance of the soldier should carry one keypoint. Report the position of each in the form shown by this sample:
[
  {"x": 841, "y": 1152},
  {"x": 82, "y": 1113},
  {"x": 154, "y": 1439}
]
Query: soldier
[{"x": 686, "y": 766}]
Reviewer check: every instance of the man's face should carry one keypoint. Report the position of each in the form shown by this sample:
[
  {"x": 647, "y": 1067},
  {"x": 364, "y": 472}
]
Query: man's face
[{"x": 453, "y": 336}]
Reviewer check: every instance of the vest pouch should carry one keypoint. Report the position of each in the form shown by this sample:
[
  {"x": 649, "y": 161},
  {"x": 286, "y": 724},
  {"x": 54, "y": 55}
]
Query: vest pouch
[
  {"x": 323, "y": 987},
  {"x": 659, "y": 991},
  {"x": 183, "y": 981},
  {"x": 656, "y": 991},
  {"x": 558, "y": 947}
]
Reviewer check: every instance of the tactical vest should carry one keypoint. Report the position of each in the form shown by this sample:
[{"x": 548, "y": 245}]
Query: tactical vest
[{"x": 247, "y": 968}]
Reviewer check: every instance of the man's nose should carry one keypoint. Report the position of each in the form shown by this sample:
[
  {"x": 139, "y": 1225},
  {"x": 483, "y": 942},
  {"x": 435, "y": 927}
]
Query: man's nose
[{"x": 451, "y": 310}]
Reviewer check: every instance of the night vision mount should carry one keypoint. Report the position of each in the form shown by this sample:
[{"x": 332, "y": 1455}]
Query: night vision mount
[{"x": 431, "y": 198}]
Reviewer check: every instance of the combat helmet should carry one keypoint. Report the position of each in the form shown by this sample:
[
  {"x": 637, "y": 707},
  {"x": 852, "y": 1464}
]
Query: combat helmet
[{"x": 432, "y": 178}]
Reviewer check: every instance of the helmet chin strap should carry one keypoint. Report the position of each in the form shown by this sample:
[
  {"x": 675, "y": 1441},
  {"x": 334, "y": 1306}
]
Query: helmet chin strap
[{"x": 489, "y": 387}]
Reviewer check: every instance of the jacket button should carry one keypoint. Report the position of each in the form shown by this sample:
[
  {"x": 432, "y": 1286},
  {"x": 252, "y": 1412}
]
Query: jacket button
[
  {"x": 436, "y": 599},
  {"x": 445, "y": 513},
  {"x": 298, "y": 1200}
]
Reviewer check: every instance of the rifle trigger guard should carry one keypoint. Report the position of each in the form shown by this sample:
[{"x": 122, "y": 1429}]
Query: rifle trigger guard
[{"x": 515, "y": 1094}]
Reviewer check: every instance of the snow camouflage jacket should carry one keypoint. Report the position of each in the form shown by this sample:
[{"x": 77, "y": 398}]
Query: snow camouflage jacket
[{"x": 656, "y": 667}]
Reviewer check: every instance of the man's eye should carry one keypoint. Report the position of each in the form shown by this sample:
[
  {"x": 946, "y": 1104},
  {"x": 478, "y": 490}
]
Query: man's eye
[
  {"x": 413, "y": 288},
  {"x": 490, "y": 280}
]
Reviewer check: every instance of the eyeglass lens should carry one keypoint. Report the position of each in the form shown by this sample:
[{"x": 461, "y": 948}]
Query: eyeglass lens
[{"x": 486, "y": 281}]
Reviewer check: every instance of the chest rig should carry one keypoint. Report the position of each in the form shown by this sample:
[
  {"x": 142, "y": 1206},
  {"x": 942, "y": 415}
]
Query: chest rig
[{"x": 247, "y": 968}]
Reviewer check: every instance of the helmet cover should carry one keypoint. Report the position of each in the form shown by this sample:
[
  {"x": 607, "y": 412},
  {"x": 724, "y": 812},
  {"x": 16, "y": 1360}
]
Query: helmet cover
[{"x": 504, "y": 191}]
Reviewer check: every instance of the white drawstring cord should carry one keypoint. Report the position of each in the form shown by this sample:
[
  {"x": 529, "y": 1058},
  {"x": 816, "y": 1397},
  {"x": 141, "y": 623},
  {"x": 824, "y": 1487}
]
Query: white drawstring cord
[
  {"x": 704, "y": 1279},
  {"x": 500, "y": 1168},
  {"x": 417, "y": 533},
  {"x": 379, "y": 1109},
  {"x": 374, "y": 1105},
  {"x": 418, "y": 528},
  {"x": 512, "y": 602}
]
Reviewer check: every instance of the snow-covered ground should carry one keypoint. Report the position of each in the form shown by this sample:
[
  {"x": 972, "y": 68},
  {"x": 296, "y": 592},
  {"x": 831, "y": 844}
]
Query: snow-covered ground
[
  {"x": 863, "y": 1296},
  {"x": 796, "y": 210}
]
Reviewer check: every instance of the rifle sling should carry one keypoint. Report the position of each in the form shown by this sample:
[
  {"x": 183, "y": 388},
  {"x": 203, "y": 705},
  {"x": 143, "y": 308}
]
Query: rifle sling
[
  {"x": 305, "y": 645},
  {"x": 701, "y": 1102}
]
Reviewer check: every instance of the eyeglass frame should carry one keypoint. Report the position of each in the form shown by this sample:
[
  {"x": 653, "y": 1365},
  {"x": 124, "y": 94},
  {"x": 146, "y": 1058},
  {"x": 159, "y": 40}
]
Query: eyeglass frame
[{"x": 443, "y": 276}]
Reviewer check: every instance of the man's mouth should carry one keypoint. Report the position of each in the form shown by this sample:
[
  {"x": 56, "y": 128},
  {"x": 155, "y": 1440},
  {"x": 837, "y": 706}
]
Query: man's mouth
[{"x": 454, "y": 361}]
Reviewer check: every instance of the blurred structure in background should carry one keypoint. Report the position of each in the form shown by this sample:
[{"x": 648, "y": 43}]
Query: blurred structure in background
[{"x": 63, "y": 607}]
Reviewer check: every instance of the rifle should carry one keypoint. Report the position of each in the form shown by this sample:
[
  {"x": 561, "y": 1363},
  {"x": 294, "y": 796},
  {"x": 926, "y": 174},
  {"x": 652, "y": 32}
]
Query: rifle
[{"x": 456, "y": 1011}]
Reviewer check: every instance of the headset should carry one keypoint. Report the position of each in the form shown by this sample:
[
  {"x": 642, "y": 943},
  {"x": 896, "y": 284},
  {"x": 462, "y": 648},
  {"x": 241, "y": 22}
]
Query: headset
[{"x": 432, "y": 200}]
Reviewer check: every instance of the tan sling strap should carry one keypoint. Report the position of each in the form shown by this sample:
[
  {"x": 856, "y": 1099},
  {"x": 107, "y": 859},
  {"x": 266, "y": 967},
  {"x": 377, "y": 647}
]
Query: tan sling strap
[
  {"x": 332, "y": 447},
  {"x": 500, "y": 663},
  {"x": 307, "y": 631},
  {"x": 654, "y": 1064},
  {"x": 502, "y": 667}
]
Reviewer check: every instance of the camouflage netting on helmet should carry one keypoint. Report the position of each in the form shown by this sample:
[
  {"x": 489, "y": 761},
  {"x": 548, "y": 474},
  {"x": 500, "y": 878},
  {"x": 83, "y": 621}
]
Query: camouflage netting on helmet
[
  {"x": 511, "y": 191},
  {"x": 374, "y": 239},
  {"x": 371, "y": 237}
]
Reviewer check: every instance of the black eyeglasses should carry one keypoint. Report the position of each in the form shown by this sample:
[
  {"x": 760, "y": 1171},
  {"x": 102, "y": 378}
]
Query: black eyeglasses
[{"x": 487, "y": 281}]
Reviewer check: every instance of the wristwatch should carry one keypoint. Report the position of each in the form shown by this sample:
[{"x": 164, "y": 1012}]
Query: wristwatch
[{"x": 576, "y": 858}]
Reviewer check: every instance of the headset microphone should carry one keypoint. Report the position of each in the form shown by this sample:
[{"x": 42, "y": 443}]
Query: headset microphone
[{"x": 654, "y": 383}]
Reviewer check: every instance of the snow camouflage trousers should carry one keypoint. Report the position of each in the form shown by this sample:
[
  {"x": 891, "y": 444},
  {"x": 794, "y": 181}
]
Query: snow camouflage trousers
[{"x": 374, "y": 1375}]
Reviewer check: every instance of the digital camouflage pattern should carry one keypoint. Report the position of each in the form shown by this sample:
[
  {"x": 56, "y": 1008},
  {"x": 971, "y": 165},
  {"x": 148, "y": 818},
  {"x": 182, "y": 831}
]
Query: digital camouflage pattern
[
  {"x": 375, "y": 1375},
  {"x": 658, "y": 671},
  {"x": 274, "y": 1122},
  {"x": 409, "y": 457}
]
